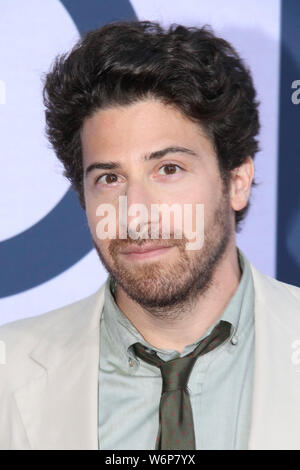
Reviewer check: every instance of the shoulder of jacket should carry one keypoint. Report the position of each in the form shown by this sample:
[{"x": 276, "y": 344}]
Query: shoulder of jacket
[
  {"x": 280, "y": 299},
  {"x": 32, "y": 325},
  {"x": 292, "y": 289},
  {"x": 273, "y": 282},
  {"x": 285, "y": 287},
  {"x": 17, "y": 338}
]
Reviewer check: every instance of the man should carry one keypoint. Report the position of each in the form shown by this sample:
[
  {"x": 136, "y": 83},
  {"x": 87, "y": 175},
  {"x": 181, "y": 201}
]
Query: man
[{"x": 157, "y": 117}]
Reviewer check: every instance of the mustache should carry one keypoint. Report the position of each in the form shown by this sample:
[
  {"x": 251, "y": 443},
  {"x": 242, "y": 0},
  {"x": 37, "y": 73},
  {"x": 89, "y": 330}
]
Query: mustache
[{"x": 117, "y": 245}]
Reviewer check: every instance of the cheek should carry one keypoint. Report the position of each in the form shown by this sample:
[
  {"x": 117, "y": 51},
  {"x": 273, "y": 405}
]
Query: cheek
[
  {"x": 92, "y": 219},
  {"x": 103, "y": 224},
  {"x": 95, "y": 230},
  {"x": 189, "y": 224},
  {"x": 197, "y": 209}
]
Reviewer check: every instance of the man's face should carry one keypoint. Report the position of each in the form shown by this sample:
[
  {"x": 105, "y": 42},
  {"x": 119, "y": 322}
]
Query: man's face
[{"x": 124, "y": 136}]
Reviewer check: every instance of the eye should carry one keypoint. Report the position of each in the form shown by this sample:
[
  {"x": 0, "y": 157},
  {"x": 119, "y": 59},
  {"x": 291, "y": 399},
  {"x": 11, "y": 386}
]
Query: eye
[
  {"x": 112, "y": 178},
  {"x": 170, "y": 168}
]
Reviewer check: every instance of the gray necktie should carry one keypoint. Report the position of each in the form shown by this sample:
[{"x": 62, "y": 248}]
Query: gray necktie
[{"x": 176, "y": 425}]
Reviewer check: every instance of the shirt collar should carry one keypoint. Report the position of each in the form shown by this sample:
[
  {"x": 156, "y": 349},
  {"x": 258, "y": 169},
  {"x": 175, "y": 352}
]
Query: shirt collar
[{"x": 123, "y": 333}]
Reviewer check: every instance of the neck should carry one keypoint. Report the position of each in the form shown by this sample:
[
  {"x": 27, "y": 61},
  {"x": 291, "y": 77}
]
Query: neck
[{"x": 175, "y": 334}]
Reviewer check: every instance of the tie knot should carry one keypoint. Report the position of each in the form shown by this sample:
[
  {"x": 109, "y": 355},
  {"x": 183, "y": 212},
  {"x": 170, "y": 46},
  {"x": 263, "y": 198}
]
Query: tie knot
[{"x": 175, "y": 373}]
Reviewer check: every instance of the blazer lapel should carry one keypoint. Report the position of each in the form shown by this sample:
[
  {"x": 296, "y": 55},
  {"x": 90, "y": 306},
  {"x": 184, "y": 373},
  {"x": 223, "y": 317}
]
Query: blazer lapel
[
  {"x": 59, "y": 405},
  {"x": 276, "y": 402}
]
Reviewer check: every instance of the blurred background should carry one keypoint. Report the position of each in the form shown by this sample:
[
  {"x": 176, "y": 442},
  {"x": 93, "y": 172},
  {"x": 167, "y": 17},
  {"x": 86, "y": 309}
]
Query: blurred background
[{"x": 46, "y": 255}]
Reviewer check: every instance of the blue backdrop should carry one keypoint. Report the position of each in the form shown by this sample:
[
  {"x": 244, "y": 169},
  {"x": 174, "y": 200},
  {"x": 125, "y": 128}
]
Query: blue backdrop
[{"x": 47, "y": 258}]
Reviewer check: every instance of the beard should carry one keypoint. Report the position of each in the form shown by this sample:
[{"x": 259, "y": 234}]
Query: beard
[{"x": 170, "y": 286}]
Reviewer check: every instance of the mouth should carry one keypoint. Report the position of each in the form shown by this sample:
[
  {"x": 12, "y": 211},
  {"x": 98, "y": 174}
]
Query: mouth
[{"x": 143, "y": 252}]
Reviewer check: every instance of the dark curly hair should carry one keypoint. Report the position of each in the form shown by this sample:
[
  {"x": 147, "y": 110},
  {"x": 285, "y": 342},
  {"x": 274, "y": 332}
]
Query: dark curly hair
[{"x": 127, "y": 61}]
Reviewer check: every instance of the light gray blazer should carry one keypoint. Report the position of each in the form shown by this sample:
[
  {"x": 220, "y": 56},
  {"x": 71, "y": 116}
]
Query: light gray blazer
[{"x": 49, "y": 381}]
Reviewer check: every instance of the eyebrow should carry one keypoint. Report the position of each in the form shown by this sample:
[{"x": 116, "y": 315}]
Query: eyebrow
[{"x": 150, "y": 156}]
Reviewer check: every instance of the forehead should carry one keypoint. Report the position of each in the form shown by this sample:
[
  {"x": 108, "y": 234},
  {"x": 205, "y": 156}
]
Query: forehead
[{"x": 139, "y": 128}]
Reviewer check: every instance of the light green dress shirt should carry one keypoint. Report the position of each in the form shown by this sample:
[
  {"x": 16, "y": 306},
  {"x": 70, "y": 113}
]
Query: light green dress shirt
[{"x": 220, "y": 384}]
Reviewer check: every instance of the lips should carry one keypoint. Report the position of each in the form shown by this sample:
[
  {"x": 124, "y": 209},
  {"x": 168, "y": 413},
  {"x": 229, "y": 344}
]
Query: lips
[{"x": 143, "y": 249}]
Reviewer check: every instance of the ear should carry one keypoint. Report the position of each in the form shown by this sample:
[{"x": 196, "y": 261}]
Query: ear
[{"x": 240, "y": 188}]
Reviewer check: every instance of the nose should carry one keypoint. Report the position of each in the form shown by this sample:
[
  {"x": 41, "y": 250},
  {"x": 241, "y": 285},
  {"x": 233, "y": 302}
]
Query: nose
[{"x": 137, "y": 211}]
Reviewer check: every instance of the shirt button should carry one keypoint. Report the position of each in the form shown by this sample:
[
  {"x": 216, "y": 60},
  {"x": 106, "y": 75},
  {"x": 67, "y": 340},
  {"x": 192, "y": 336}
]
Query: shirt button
[
  {"x": 234, "y": 340},
  {"x": 131, "y": 363}
]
